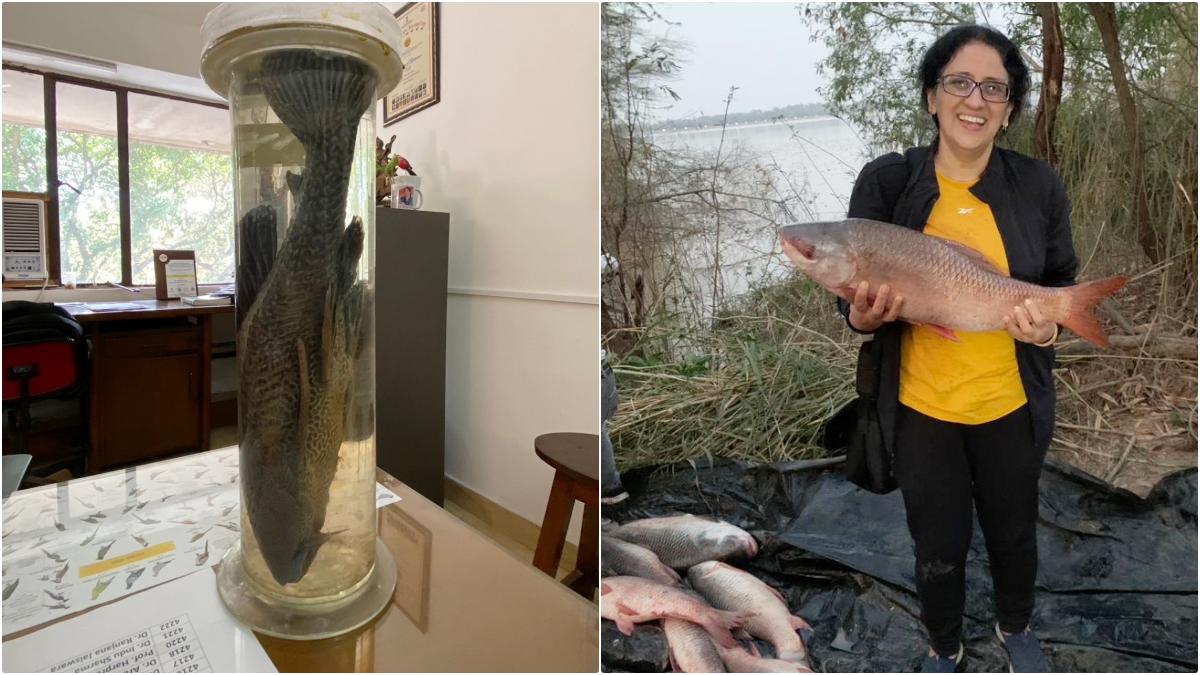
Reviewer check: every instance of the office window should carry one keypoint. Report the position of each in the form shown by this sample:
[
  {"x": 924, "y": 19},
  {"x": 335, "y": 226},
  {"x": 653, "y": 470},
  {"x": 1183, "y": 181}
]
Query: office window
[
  {"x": 181, "y": 195},
  {"x": 89, "y": 197},
  {"x": 135, "y": 171},
  {"x": 24, "y": 132}
]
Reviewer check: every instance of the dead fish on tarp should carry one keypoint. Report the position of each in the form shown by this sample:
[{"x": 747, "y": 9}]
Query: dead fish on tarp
[
  {"x": 299, "y": 311},
  {"x": 736, "y": 590},
  {"x": 100, "y": 586},
  {"x": 684, "y": 541},
  {"x": 56, "y": 596},
  {"x": 621, "y": 558},
  {"x": 689, "y": 646},
  {"x": 159, "y": 565},
  {"x": 202, "y": 558},
  {"x": 738, "y": 660},
  {"x": 133, "y": 576},
  {"x": 10, "y": 587},
  {"x": 630, "y": 600},
  {"x": 946, "y": 285}
]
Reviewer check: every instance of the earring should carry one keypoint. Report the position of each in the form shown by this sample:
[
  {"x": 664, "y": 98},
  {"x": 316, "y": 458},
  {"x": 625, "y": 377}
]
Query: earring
[{"x": 1004, "y": 126}]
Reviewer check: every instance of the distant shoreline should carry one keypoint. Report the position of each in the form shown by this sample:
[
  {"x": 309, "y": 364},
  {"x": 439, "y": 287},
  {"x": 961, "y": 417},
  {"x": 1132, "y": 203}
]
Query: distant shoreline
[{"x": 677, "y": 127}]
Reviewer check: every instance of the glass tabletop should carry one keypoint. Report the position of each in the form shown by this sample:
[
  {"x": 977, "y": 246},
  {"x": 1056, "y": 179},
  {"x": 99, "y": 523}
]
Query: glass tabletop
[{"x": 462, "y": 603}]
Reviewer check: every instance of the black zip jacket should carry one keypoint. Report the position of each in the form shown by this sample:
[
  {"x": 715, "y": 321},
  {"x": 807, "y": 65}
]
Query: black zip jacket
[{"x": 1030, "y": 205}]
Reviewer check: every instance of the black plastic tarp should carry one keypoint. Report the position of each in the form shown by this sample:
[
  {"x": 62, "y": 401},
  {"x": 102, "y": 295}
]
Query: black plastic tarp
[{"x": 1116, "y": 588}]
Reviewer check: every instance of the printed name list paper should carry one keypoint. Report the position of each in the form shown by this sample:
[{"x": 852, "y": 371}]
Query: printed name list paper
[{"x": 177, "y": 627}]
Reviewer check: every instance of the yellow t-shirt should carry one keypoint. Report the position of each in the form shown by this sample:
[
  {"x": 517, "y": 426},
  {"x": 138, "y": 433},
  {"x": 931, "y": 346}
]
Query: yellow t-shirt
[{"x": 976, "y": 380}]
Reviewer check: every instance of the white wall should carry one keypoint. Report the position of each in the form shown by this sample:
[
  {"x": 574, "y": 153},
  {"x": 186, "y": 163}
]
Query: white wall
[{"x": 512, "y": 153}]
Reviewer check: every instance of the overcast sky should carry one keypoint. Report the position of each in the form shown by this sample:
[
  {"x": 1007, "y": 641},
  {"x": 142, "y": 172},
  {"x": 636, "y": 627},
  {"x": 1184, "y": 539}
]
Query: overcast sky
[{"x": 762, "y": 48}]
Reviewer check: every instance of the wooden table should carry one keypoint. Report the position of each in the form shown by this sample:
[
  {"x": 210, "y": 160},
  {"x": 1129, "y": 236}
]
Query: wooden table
[
  {"x": 462, "y": 604},
  {"x": 150, "y": 379}
]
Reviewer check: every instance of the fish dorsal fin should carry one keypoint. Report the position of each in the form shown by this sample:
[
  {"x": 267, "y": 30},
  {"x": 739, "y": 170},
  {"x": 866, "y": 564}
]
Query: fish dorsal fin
[
  {"x": 257, "y": 238},
  {"x": 974, "y": 256}
]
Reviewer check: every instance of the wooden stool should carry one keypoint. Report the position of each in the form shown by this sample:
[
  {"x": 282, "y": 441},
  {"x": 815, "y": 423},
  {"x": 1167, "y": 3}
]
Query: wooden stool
[{"x": 576, "y": 459}]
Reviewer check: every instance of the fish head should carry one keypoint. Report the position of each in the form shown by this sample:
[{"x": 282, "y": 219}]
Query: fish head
[{"x": 821, "y": 250}]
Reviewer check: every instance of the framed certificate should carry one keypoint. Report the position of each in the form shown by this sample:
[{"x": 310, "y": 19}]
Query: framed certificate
[
  {"x": 419, "y": 86},
  {"x": 410, "y": 543},
  {"x": 174, "y": 274}
]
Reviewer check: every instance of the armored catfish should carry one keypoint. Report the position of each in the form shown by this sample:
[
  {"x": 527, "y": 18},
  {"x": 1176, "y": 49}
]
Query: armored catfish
[{"x": 300, "y": 311}]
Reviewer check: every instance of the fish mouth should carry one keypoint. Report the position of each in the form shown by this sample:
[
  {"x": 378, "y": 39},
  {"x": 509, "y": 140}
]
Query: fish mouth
[{"x": 792, "y": 238}]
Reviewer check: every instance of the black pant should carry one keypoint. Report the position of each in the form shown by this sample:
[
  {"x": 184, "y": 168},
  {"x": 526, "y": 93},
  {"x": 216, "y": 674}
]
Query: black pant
[{"x": 943, "y": 467}]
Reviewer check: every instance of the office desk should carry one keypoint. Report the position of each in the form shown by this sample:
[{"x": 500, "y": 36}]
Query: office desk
[
  {"x": 150, "y": 380},
  {"x": 462, "y": 604}
]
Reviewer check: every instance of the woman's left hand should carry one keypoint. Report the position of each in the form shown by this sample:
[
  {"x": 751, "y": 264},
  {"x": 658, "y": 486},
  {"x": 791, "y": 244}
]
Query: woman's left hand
[{"x": 1028, "y": 325}]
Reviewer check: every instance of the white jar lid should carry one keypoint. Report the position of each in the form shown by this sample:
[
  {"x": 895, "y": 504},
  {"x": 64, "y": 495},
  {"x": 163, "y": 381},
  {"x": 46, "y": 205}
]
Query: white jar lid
[{"x": 235, "y": 29}]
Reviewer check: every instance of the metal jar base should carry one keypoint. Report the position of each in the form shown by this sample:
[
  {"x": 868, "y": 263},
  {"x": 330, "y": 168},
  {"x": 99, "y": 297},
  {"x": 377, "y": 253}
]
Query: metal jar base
[{"x": 309, "y": 621}]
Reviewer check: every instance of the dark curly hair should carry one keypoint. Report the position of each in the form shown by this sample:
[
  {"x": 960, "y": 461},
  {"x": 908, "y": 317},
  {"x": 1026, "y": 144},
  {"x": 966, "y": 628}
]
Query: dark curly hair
[{"x": 945, "y": 47}]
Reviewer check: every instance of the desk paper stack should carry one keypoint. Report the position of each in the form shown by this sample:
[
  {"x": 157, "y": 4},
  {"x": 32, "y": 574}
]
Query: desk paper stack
[{"x": 206, "y": 300}]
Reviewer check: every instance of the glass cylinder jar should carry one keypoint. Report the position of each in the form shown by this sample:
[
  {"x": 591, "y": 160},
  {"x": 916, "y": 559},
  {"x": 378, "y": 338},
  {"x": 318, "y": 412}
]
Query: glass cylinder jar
[{"x": 302, "y": 81}]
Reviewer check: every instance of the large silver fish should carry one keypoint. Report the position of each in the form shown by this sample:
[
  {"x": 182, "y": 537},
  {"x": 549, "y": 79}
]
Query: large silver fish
[
  {"x": 690, "y": 648},
  {"x": 684, "y": 541},
  {"x": 945, "y": 285},
  {"x": 299, "y": 311},
  {"x": 736, "y": 590},
  {"x": 738, "y": 660},
  {"x": 621, "y": 558},
  {"x": 630, "y": 600}
]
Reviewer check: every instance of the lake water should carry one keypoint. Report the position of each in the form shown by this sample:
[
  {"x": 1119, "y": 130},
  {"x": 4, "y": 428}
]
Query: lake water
[{"x": 814, "y": 159}]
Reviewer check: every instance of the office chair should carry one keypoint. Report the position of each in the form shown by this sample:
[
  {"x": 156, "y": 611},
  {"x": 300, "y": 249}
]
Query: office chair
[{"x": 45, "y": 356}]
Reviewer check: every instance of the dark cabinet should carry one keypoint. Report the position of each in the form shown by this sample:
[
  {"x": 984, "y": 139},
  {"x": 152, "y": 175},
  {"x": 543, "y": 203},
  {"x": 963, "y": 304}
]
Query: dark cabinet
[
  {"x": 411, "y": 258},
  {"x": 149, "y": 391}
]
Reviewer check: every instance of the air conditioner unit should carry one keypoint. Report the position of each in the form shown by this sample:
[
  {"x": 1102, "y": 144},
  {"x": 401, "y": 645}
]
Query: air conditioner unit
[{"x": 24, "y": 239}]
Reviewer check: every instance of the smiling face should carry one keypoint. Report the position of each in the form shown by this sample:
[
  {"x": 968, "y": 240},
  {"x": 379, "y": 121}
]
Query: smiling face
[{"x": 969, "y": 125}]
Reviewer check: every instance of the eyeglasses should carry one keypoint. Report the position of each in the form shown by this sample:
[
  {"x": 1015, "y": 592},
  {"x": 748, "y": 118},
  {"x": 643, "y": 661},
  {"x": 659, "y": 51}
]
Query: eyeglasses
[{"x": 996, "y": 92}]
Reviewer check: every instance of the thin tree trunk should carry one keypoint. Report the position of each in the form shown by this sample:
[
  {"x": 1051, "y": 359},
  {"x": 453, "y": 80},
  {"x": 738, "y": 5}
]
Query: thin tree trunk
[
  {"x": 1105, "y": 15},
  {"x": 1052, "y": 74}
]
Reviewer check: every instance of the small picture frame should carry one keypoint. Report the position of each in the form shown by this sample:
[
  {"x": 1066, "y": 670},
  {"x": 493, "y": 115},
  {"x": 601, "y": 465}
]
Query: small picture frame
[
  {"x": 411, "y": 544},
  {"x": 174, "y": 274},
  {"x": 420, "y": 85}
]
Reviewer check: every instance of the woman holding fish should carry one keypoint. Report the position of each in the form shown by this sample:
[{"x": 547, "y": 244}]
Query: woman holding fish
[{"x": 964, "y": 322}]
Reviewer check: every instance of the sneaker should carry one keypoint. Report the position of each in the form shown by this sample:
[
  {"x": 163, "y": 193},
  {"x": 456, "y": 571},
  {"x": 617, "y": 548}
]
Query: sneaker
[
  {"x": 1024, "y": 652},
  {"x": 941, "y": 664},
  {"x": 616, "y": 498}
]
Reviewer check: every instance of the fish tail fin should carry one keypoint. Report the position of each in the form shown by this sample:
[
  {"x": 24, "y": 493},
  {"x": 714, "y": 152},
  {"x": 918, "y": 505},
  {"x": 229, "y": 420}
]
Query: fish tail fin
[
  {"x": 720, "y": 624},
  {"x": 319, "y": 95},
  {"x": 1084, "y": 297}
]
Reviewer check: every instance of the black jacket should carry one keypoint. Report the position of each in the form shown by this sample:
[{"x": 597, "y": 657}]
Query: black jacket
[{"x": 1030, "y": 205}]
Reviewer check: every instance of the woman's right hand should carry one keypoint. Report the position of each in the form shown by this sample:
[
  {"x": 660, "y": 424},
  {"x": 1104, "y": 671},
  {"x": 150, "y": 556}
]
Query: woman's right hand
[{"x": 867, "y": 316}]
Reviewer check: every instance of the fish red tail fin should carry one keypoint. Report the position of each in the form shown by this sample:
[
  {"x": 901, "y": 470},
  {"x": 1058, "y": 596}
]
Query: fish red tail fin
[
  {"x": 1085, "y": 296},
  {"x": 720, "y": 623}
]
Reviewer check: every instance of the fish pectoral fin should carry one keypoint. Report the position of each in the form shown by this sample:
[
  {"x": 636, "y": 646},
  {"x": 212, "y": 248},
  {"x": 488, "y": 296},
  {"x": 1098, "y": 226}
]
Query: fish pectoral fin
[
  {"x": 256, "y": 247},
  {"x": 976, "y": 258},
  {"x": 799, "y": 624},
  {"x": 294, "y": 182},
  {"x": 624, "y": 624},
  {"x": 944, "y": 332}
]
